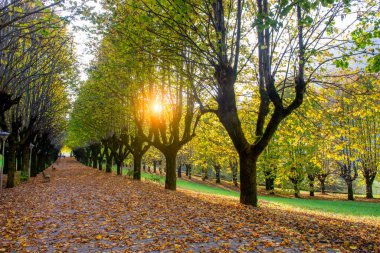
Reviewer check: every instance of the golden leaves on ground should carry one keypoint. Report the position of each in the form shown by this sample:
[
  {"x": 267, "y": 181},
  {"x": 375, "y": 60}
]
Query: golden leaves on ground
[{"x": 84, "y": 210}]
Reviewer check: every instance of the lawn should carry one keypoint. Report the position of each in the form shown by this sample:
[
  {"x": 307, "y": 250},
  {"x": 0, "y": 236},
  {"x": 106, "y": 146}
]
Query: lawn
[
  {"x": 353, "y": 208},
  {"x": 333, "y": 206}
]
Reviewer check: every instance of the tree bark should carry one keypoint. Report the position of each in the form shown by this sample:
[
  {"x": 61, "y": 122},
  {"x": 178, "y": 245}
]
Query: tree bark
[
  {"x": 204, "y": 173},
  {"x": 188, "y": 169},
  {"x": 269, "y": 184},
  {"x": 170, "y": 179},
  {"x": 109, "y": 164},
  {"x": 41, "y": 161},
  {"x": 248, "y": 189},
  {"x": 34, "y": 170},
  {"x": 137, "y": 167},
  {"x": 368, "y": 187},
  {"x": 100, "y": 164},
  {"x": 154, "y": 167},
  {"x": 217, "y": 174},
  {"x": 296, "y": 191},
  {"x": 88, "y": 157},
  {"x": 18, "y": 160},
  {"x": 11, "y": 161},
  {"x": 179, "y": 171},
  {"x": 234, "y": 177},
  {"x": 118, "y": 166},
  {"x": 100, "y": 160},
  {"x": 25, "y": 160},
  {"x": 323, "y": 186},
  {"x": 350, "y": 190},
  {"x": 269, "y": 181},
  {"x": 311, "y": 177},
  {"x": 95, "y": 161},
  {"x": 311, "y": 184}
]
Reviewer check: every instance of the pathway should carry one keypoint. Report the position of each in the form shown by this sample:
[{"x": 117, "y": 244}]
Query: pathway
[{"x": 86, "y": 210}]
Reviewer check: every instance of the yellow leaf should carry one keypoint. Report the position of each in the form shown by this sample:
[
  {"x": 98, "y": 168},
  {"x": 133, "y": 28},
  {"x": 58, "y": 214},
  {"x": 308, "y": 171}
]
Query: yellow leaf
[{"x": 98, "y": 237}]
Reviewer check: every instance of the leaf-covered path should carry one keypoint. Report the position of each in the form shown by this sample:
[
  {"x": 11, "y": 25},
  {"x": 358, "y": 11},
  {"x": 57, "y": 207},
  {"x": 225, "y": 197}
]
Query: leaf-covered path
[{"x": 85, "y": 210}]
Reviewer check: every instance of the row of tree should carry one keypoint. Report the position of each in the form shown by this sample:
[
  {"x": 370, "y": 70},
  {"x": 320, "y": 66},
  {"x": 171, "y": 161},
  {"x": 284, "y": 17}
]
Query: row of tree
[
  {"x": 36, "y": 65},
  {"x": 161, "y": 65}
]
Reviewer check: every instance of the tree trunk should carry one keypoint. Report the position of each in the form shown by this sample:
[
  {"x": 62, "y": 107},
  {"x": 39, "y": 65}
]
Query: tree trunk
[
  {"x": 188, "y": 169},
  {"x": 271, "y": 184},
  {"x": 154, "y": 167},
  {"x": 350, "y": 190},
  {"x": 204, "y": 174},
  {"x": 108, "y": 164},
  {"x": 311, "y": 177},
  {"x": 248, "y": 188},
  {"x": 217, "y": 174},
  {"x": 19, "y": 161},
  {"x": 100, "y": 165},
  {"x": 179, "y": 171},
  {"x": 11, "y": 161},
  {"x": 118, "y": 166},
  {"x": 311, "y": 184},
  {"x": 296, "y": 191},
  {"x": 368, "y": 187},
  {"x": 33, "y": 170},
  {"x": 40, "y": 161},
  {"x": 234, "y": 177},
  {"x": 137, "y": 167},
  {"x": 88, "y": 157},
  {"x": 95, "y": 161},
  {"x": 100, "y": 162},
  {"x": 25, "y": 161},
  {"x": 170, "y": 178},
  {"x": 269, "y": 180},
  {"x": 267, "y": 183},
  {"x": 323, "y": 186}
]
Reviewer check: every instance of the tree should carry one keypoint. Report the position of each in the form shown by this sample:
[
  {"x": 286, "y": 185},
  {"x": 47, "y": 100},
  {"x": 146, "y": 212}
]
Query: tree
[
  {"x": 213, "y": 147},
  {"x": 217, "y": 36},
  {"x": 36, "y": 67},
  {"x": 344, "y": 131},
  {"x": 367, "y": 116},
  {"x": 208, "y": 45}
]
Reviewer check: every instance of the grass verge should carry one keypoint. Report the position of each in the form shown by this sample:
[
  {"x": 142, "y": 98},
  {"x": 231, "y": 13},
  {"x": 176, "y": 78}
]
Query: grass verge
[{"x": 331, "y": 206}]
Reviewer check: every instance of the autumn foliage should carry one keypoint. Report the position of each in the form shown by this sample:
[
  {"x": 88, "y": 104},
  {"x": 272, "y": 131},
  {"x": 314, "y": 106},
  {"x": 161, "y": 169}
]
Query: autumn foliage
[{"x": 74, "y": 212}]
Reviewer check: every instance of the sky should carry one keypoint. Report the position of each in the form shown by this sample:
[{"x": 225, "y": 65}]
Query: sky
[{"x": 82, "y": 39}]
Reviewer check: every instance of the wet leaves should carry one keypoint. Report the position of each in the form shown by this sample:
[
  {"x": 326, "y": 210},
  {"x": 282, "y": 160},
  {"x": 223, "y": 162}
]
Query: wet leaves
[{"x": 84, "y": 210}]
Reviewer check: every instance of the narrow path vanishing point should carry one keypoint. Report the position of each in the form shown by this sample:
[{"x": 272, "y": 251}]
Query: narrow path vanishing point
[{"x": 86, "y": 210}]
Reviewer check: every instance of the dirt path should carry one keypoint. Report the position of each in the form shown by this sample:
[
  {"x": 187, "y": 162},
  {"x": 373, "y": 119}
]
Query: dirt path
[{"x": 85, "y": 210}]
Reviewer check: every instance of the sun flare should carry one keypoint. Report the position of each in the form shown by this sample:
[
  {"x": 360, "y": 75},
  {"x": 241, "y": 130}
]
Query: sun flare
[{"x": 157, "y": 107}]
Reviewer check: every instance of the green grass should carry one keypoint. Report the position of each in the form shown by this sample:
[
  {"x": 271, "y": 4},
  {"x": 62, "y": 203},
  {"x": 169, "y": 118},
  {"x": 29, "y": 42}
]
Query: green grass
[
  {"x": 192, "y": 186},
  {"x": 353, "y": 208}
]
